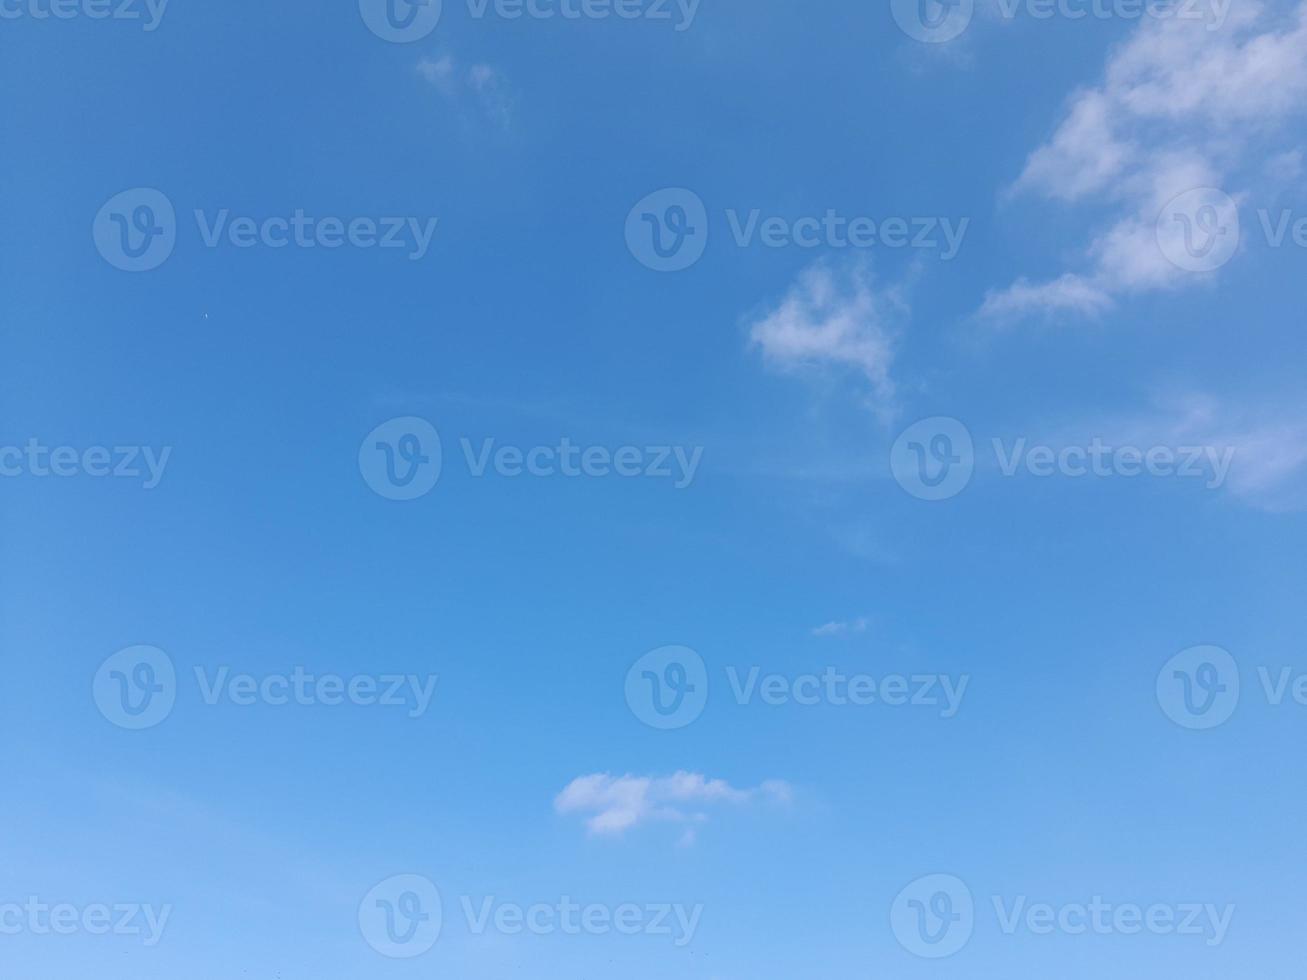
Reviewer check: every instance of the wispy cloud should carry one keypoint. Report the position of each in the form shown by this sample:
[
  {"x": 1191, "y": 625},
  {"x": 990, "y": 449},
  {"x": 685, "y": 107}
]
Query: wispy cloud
[
  {"x": 617, "y": 804},
  {"x": 483, "y": 84},
  {"x": 840, "y": 627},
  {"x": 1268, "y": 447},
  {"x": 1180, "y": 107},
  {"x": 438, "y": 71},
  {"x": 836, "y": 319}
]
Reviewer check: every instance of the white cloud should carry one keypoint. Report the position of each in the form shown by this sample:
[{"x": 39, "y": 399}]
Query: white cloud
[
  {"x": 439, "y": 71},
  {"x": 491, "y": 88},
  {"x": 485, "y": 84},
  {"x": 1180, "y": 107},
  {"x": 617, "y": 804},
  {"x": 1071, "y": 293},
  {"x": 840, "y": 627},
  {"x": 834, "y": 320}
]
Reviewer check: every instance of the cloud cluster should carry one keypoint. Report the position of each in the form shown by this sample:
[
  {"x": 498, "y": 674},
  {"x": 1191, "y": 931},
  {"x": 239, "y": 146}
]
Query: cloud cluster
[
  {"x": 614, "y": 805},
  {"x": 1181, "y": 107}
]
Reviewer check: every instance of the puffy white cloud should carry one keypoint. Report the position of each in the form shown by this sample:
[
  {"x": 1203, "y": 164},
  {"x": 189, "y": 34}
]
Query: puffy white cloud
[
  {"x": 617, "y": 804},
  {"x": 835, "y": 319}
]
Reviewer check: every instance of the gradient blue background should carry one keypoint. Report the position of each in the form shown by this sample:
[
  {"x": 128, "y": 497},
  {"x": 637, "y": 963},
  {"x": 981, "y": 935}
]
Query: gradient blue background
[{"x": 263, "y": 548}]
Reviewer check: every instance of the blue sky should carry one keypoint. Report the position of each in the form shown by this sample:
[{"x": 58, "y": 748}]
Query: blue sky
[{"x": 772, "y": 522}]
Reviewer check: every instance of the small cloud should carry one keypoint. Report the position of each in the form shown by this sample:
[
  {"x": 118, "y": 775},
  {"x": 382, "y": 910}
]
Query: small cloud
[
  {"x": 492, "y": 89},
  {"x": 832, "y": 319},
  {"x": 439, "y": 72},
  {"x": 840, "y": 627},
  {"x": 1069, "y": 294},
  {"x": 617, "y": 804},
  {"x": 484, "y": 84}
]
